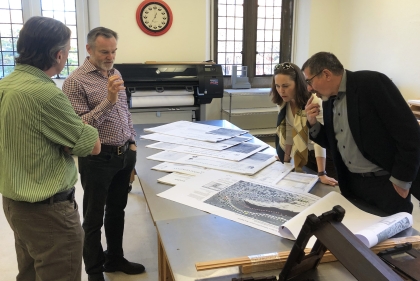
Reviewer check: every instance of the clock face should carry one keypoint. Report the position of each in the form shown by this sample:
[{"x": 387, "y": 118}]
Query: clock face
[{"x": 154, "y": 17}]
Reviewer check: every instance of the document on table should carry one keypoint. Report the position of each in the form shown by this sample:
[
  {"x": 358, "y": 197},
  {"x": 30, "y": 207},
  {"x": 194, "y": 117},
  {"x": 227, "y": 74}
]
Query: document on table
[
  {"x": 197, "y": 131},
  {"x": 234, "y": 153},
  {"x": 248, "y": 166},
  {"x": 370, "y": 229},
  {"x": 179, "y": 168},
  {"x": 196, "y": 143},
  {"x": 271, "y": 174},
  {"x": 238, "y": 198},
  {"x": 298, "y": 181},
  {"x": 174, "y": 178}
]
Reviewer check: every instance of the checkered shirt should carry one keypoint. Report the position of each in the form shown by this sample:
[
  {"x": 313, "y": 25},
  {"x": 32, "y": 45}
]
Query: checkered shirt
[{"x": 86, "y": 88}]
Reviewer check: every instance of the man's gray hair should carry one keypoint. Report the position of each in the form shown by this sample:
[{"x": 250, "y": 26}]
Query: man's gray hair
[
  {"x": 100, "y": 31},
  {"x": 323, "y": 60}
]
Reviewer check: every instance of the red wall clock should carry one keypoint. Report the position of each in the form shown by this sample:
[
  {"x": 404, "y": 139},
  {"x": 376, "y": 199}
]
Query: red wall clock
[{"x": 154, "y": 17}]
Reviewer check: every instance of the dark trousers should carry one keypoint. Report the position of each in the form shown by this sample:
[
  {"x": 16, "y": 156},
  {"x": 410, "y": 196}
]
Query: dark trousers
[
  {"x": 105, "y": 179},
  {"x": 379, "y": 192},
  {"x": 48, "y": 240}
]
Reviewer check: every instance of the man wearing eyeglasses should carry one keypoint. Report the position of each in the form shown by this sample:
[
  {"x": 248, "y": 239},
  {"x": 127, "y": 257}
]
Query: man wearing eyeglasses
[{"x": 373, "y": 136}]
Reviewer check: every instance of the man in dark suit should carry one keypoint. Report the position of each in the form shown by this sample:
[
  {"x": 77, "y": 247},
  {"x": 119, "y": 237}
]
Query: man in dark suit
[{"x": 373, "y": 136}]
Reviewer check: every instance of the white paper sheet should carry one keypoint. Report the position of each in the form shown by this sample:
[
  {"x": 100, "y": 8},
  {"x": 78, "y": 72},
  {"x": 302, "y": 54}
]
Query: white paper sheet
[
  {"x": 197, "y": 131},
  {"x": 298, "y": 182},
  {"x": 234, "y": 153},
  {"x": 248, "y": 166},
  {"x": 179, "y": 168},
  {"x": 271, "y": 174},
  {"x": 196, "y": 143},
  {"x": 354, "y": 219},
  {"x": 238, "y": 198},
  {"x": 174, "y": 178}
]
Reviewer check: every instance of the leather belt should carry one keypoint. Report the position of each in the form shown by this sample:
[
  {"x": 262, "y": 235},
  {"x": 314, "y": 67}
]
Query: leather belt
[
  {"x": 115, "y": 149},
  {"x": 59, "y": 197},
  {"x": 373, "y": 174}
]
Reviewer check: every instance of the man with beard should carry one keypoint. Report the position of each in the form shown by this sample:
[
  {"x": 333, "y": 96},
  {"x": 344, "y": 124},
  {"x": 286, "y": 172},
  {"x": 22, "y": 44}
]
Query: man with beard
[{"x": 96, "y": 91}]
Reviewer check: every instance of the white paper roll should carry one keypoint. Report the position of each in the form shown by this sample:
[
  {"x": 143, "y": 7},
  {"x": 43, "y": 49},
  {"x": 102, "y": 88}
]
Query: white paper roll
[
  {"x": 164, "y": 93},
  {"x": 162, "y": 101}
]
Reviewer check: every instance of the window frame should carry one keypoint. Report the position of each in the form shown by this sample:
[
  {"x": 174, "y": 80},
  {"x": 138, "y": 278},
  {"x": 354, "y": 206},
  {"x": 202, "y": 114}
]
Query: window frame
[
  {"x": 32, "y": 8},
  {"x": 249, "y": 51}
]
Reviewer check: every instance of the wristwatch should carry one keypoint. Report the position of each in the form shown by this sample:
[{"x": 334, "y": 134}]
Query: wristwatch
[
  {"x": 323, "y": 173},
  {"x": 132, "y": 142}
]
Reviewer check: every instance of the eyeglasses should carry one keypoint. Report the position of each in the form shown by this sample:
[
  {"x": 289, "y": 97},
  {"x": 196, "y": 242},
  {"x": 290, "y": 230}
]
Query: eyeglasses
[
  {"x": 309, "y": 81},
  {"x": 284, "y": 65}
]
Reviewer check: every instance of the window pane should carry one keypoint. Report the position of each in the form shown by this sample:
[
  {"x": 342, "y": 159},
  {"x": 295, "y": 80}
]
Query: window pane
[
  {"x": 230, "y": 22},
  {"x": 260, "y": 35},
  {"x": 64, "y": 11},
  {"x": 4, "y": 16},
  {"x": 8, "y": 70},
  {"x": 238, "y": 34},
  {"x": 4, "y": 4},
  {"x": 5, "y": 30},
  {"x": 70, "y": 5},
  {"x": 16, "y": 29},
  {"x": 221, "y": 46},
  {"x": 9, "y": 33},
  {"x": 221, "y": 9},
  {"x": 238, "y": 59},
  {"x": 221, "y": 35},
  {"x": 72, "y": 59},
  {"x": 222, "y": 22},
  {"x": 8, "y": 58},
  {"x": 221, "y": 58},
  {"x": 16, "y": 16},
  {"x": 58, "y": 15},
  {"x": 15, "y": 4},
  {"x": 268, "y": 47},
  {"x": 230, "y": 34},
  {"x": 70, "y": 17},
  {"x": 230, "y": 46},
  {"x": 6, "y": 44},
  {"x": 48, "y": 14},
  {"x": 268, "y": 35},
  {"x": 73, "y": 45},
  {"x": 238, "y": 46},
  {"x": 59, "y": 5},
  {"x": 277, "y": 23},
  {"x": 47, "y": 5}
]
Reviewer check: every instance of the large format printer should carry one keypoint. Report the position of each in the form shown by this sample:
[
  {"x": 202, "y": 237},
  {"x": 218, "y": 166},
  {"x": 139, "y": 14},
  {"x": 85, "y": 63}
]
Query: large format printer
[{"x": 170, "y": 92}]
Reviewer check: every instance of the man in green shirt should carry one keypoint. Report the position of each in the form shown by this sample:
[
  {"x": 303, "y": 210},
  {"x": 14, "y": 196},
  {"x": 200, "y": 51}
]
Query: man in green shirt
[{"x": 38, "y": 129}]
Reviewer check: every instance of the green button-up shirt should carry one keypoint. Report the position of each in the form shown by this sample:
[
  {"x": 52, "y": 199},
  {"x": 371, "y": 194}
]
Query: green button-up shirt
[{"x": 36, "y": 122}]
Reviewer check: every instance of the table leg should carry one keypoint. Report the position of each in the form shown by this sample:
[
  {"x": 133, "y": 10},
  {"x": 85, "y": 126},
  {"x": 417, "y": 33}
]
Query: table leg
[{"x": 165, "y": 273}]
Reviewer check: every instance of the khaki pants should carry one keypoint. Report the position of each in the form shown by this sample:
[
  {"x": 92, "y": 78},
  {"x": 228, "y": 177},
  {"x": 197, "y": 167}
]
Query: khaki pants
[{"x": 48, "y": 240}]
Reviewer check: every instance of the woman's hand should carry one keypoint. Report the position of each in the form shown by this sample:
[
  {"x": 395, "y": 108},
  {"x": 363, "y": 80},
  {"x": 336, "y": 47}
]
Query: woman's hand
[{"x": 327, "y": 180}]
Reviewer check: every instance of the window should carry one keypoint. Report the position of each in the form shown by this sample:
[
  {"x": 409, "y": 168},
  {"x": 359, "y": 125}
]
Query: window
[
  {"x": 64, "y": 11},
  {"x": 13, "y": 13},
  {"x": 11, "y": 21},
  {"x": 254, "y": 33}
]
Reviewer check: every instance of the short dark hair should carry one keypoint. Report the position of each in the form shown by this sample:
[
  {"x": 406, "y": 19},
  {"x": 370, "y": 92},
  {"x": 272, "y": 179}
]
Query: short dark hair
[
  {"x": 302, "y": 94},
  {"x": 100, "y": 31},
  {"x": 39, "y": 41},
  {"x": 324, "y": 60}
]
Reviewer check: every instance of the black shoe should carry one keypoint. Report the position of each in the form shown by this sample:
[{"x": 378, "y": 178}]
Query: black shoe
[
  {"x": 123, "y": 265},
  {"x": 130, "y": 187},
  {"x": 96, "y": 277}
]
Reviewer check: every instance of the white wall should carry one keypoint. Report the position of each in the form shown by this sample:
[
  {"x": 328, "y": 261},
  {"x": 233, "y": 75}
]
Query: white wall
[
  {"x": 381, "y": 35},
  {"x": 187, "y": 40}
]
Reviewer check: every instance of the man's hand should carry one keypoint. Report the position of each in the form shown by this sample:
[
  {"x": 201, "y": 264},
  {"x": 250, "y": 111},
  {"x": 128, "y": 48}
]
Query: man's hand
[
  {"x": 114, "y": 86},
  {"x": 401, "y": 191},
  {"x": 312, "y": 111},
  {"x": 133, "y": 147}
]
